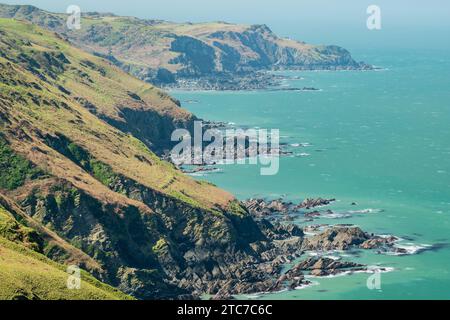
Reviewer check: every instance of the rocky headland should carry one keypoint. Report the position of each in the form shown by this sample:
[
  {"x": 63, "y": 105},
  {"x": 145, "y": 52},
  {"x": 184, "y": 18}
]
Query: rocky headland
[{"x": 192, "y": 56}]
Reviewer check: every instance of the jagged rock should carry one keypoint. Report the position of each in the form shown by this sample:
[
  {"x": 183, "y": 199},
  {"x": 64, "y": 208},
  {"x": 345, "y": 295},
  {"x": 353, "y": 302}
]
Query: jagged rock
[
  {"x": 322, "y": 266},
  {"x": 312, "y": 203},
  {"x": 336, "y": 238},
  {"x": 325, "y": 264},
  {"x": 261, "y": 208},
  {"x": 291, "y": 279},
  {"x": 278, "y": 231},
  {"x": 378, "y": 242},
  {"x": 314, "y": 228},
  {"x": 312, "y": 214}
]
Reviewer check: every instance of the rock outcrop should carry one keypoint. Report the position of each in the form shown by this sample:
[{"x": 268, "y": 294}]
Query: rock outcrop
[
  {"x": 336, "y": 238},
  {"x": 313, "y": 203},
  {"x": 322, "y": 266}
]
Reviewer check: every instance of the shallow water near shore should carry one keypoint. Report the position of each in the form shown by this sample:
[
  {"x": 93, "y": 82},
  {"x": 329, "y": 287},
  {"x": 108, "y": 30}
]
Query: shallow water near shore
[{"x": 380, "y": 139}]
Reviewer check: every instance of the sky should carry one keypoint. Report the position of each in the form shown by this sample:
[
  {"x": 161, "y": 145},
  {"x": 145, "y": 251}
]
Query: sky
[{"x": 404, "y": 23}]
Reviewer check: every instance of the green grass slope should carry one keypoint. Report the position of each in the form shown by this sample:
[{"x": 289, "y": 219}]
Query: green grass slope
[{"x": 28, "y": 275}]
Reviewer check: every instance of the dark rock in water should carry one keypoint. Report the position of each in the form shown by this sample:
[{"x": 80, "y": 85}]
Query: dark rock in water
[
  {"x": 261, "y": 208},
  {"x": 325, "y": 264},
  {"x": 321, "y": 273},
  {"x": 312, "y": 214},
  {"x": 336, "y": 238},
  {"x": 293, "y": 278},
  {"x": 320, "y": 266},
  {"x": 377, "y": 242},
  {"x": 312, "y": 203}
]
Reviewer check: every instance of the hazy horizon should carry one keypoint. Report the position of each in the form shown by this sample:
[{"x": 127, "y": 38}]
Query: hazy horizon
[{"x": 405, "y": 24}]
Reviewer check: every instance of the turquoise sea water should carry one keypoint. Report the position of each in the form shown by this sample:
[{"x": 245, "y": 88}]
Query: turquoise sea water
[{"x": 380, "y": 139}]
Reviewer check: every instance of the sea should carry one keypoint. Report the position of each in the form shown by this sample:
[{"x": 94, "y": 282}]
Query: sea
[{"x": 378, "y": 139}]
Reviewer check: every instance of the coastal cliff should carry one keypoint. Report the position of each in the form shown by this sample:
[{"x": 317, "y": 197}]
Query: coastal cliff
[
  {"x": 93, "y": 194},
  {"x": 216, "y": 55}
]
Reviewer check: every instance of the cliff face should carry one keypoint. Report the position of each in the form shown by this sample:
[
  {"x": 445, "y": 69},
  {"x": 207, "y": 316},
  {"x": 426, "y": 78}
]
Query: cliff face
[
  {"x": 75, "y": 133},
  {"x": 163, "y": 52},
  {"x": 24, "y": 243},
  {"x": 257, "y": 47}
]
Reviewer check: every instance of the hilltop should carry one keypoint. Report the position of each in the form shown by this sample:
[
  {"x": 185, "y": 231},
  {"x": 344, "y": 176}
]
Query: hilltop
[{"x": 216, "y": 55}]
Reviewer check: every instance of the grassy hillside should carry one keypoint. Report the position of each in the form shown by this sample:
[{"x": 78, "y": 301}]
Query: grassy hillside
[
  {"x": 76, "y": 134},
  {"x": 17, "y": 226},
  {"x": 27, "y": 274},
  {"x": 55, "y": 82}
]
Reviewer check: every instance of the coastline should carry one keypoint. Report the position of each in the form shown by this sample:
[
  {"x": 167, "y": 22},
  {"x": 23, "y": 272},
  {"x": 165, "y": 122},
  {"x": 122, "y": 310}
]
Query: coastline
[
  {"x": 391, "y": 206},
  {"x": 261, "y": 80}
]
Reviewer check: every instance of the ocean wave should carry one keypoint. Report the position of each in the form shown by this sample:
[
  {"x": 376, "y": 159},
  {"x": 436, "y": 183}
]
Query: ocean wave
[
  {"x": 336, "y": 216},
  {"x": 303, "y": 154},
  {"x": 368, "y": 270},
  {"x": 408, "y": 249},
  {"x": 326, "y": 254},
  {"x": 374, "y": 269},
  {"x": 365, "y": 211},
  {"x": 308, "y": 285}
]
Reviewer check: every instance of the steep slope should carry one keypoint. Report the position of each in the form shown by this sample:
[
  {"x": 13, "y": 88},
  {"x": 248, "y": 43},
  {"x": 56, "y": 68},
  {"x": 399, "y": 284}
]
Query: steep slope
[
  {"x": 28, "y": 275},
  {"x": 155, "y": 232},
  {"x": 163, "y": 52},
  {"x": 117, "y": 105},
  {"x": 32, "y": 234}
]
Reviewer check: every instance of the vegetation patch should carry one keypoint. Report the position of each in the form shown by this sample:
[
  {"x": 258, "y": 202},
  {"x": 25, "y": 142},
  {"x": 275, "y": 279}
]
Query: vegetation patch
[
  {"x": 12, "y": 230},
  {"x": 46, "y": 279},
  {"x": 14, "y": 169},
  {"x": 236, "y": 207},
  {"x": 160, "y": 246},
  {"x": 99, "y": 170}
]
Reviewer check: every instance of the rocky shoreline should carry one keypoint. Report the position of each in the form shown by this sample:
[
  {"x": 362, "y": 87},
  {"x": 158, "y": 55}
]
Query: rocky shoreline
[
  {"x": 309, "y": 250},
  {"x": 253, "y": 80},
  {"x": 234, "y": 82}
]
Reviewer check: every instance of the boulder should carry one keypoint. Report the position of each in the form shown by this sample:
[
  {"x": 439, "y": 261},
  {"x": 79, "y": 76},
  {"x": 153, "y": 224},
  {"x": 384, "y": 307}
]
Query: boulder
[
  {"x": 312, "y": 203},
  {"x": 336, "y": 238}
]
